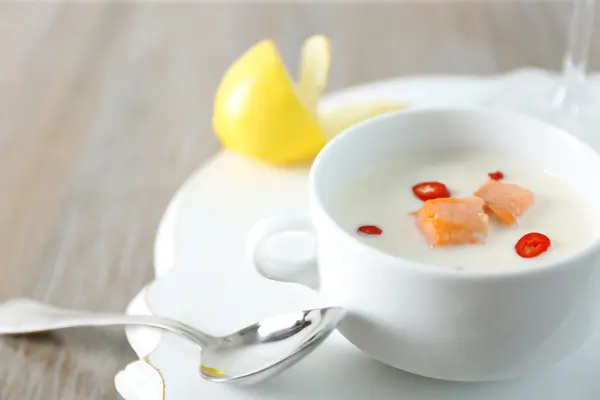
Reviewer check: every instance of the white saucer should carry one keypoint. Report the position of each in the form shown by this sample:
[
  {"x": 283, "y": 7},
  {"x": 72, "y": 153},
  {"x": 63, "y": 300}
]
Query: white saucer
[{"x": 203, "y": 279}]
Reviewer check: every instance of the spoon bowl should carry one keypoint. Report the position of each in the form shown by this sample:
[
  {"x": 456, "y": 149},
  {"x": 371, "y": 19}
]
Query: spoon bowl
[
  {"x": 248, "y": 356},
  {"x": 270, "y": 346}
]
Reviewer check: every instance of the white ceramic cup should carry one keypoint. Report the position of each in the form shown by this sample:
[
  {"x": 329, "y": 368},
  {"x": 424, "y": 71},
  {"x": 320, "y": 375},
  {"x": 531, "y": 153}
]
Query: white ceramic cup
[{"x": 464, "y": 325}]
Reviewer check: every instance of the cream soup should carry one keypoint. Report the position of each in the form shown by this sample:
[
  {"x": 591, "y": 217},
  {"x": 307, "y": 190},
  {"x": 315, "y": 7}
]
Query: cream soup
[{"x": 382, "y": 196}]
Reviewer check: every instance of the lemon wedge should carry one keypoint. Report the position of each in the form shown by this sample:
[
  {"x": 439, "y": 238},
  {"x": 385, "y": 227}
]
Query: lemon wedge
[
  {"x": 337, "y": 119},
  {"x": 258, "y": 110},
  {"x": 315, "y": 62}
]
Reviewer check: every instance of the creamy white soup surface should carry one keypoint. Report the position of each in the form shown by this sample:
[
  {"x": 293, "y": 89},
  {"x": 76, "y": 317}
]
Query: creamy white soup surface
[{"x": 382, "y": 196}]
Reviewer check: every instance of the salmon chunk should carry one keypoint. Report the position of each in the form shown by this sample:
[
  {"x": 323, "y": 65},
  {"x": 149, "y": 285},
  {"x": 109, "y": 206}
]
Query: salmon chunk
[
  {"x": 505, "y": 201},
  {"x": 447, "y": 221}
]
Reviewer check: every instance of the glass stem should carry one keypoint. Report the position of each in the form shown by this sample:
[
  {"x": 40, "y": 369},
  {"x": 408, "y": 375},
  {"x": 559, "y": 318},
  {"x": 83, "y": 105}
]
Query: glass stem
[{"x": 571, "y": 92}]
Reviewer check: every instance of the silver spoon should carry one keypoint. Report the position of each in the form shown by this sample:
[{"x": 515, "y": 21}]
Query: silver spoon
[{"x": 247, "y": 356}]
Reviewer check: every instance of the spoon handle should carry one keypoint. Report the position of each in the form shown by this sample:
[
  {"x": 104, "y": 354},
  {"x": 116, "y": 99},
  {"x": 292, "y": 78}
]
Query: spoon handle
[{"x": 22, "y": 316}]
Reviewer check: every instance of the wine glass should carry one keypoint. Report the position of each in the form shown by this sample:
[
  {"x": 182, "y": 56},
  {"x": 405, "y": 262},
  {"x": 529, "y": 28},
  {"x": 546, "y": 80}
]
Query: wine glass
[{"x": 568, "y": 101}]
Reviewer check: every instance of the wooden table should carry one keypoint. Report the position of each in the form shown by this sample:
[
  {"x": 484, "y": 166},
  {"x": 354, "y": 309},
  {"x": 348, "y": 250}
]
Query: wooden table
[{"x": 106, "y": 108}]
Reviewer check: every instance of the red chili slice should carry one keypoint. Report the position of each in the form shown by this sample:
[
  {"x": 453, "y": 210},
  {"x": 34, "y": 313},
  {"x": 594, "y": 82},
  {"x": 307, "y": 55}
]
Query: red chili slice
[
  {"x": 498, "y": 175},
  {"x": 532, "y": 245},
  {"x": 430, "y": 190},
  {"x": 370, "y": 230}
]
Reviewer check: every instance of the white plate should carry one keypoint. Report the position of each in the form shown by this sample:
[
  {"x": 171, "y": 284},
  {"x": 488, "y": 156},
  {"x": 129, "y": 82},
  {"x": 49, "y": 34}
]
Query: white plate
[{"x": 203, "y": 279}]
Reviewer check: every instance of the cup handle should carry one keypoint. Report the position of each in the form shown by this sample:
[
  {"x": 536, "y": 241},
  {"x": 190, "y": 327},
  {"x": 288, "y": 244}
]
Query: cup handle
[{"x": 303, "y": 272}]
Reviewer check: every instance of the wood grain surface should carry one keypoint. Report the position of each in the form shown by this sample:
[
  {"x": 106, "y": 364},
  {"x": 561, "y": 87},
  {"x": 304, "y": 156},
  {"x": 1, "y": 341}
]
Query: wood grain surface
[{"x": 105, "y": 108}]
